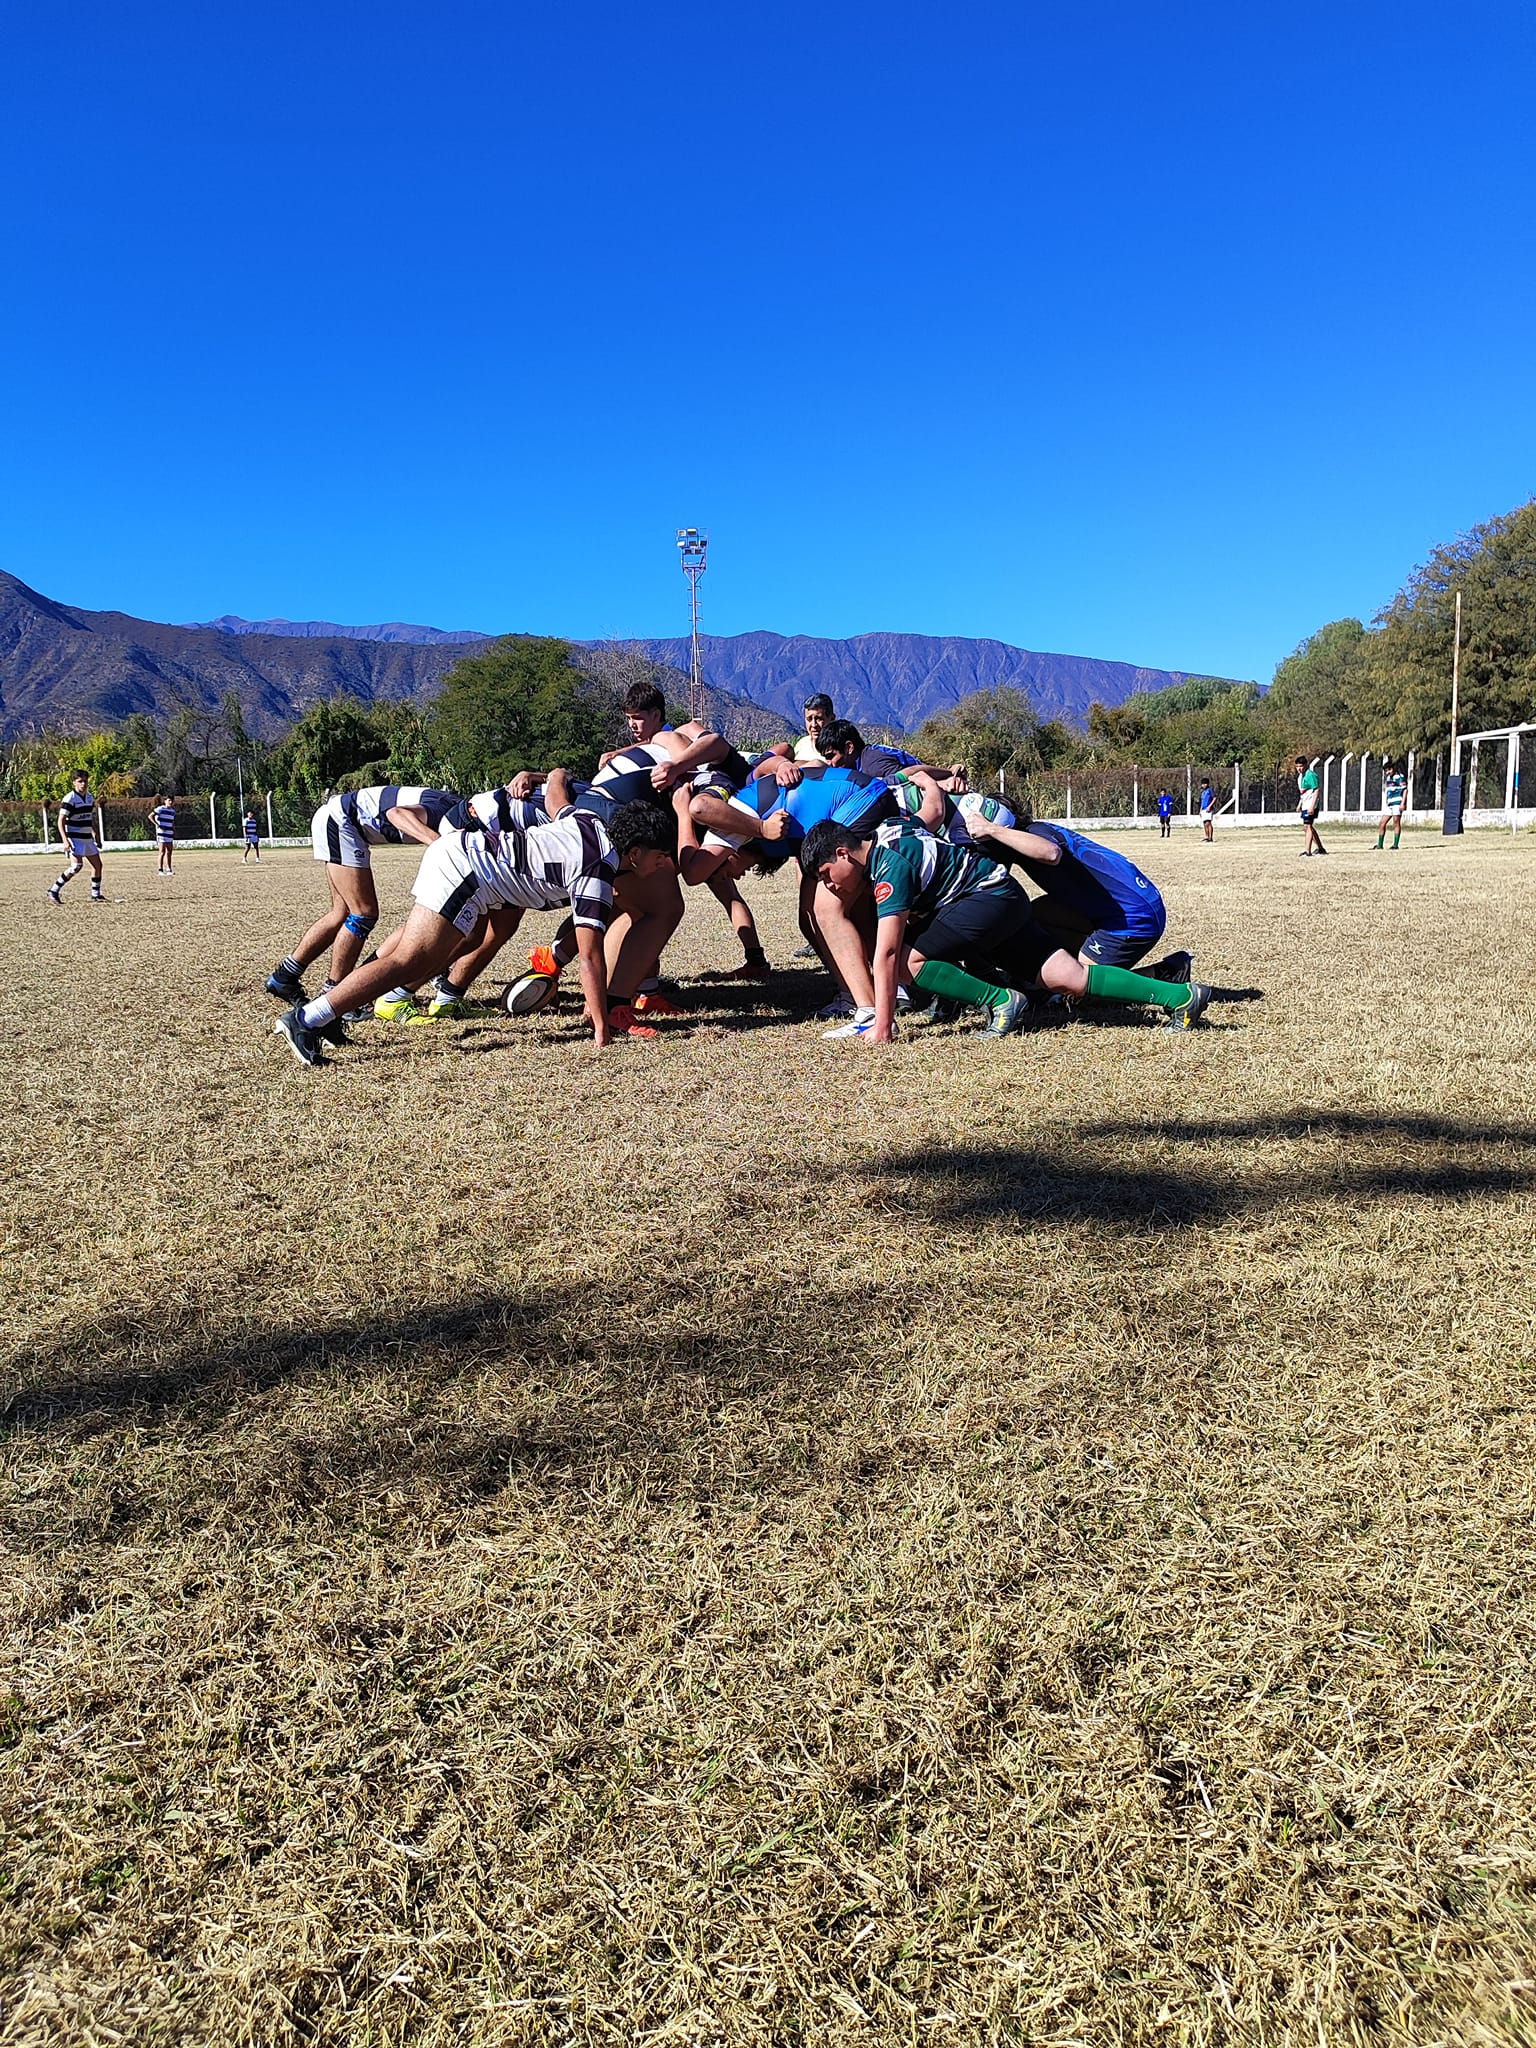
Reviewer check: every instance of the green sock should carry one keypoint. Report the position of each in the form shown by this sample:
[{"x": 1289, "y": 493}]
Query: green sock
[
  {"x": 1396, "y": 837},
  {"x": 940, "y": 979},
  {"x": 1379, "y": 842},
  {"x": 1119, "y": 985}
]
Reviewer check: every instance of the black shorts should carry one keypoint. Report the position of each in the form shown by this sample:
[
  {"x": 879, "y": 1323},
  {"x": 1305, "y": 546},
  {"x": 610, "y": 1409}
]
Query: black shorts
[{"x": 991, "y": 932}]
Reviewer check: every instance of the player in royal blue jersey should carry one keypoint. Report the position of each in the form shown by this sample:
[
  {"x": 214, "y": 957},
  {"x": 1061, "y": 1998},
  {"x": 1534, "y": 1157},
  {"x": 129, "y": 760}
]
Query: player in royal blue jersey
[
  {"x": 1165, "y": 814},
  {"x": 1100, "y": 906},
  {"x": 771, "y": 818}
]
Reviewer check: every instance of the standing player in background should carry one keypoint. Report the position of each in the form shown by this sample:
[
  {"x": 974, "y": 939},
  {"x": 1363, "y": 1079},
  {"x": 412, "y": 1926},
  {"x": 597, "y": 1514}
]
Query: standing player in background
[
  {"x": 252, "y": 832},
  {"x": 1208, "y": 808},
  {"x": 1394, "y": 794},
  {"x": 162, "y": 819},
  {"x": 1165, "y": 814},
  {"x": 77, "y": 831},
  {"x": 1308, "y": 798}
]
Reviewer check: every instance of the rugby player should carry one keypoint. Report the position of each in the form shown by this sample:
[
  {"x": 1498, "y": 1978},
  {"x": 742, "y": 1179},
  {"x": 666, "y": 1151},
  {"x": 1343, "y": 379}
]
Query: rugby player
[
  {"x": 773, "y": 817},
  {"x": 77, "y": 833},
  {"x": 958, "y": 925},
  {"x": 162, "y": 818},
  {"x": 1394, "y": 794},
  {"x": 343, "y": 831},
  {"x": 1100, "y": 906},
  {"x": 535, "y": 863}
]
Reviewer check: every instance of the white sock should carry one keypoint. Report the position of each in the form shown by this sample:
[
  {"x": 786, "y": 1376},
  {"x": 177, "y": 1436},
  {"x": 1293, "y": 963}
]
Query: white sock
[{"x": 320, "y": 1012}]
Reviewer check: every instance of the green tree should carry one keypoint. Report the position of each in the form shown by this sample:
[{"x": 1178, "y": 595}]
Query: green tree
[
  {"x": 1400, "y": 688},
  {"x": 331, "y": 741},
  {"x": 989, "y": 730},
  {"x": 521, "y": 703},
  {"x": 1310, "y": 695}
]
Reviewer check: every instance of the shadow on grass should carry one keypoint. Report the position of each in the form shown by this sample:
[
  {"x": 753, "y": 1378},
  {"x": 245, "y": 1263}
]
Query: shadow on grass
[{"x": 1328, "y": 1155}]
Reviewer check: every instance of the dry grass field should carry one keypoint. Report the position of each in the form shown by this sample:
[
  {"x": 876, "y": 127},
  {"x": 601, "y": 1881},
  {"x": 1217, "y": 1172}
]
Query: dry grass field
[{"x": 751, "y": 1540}]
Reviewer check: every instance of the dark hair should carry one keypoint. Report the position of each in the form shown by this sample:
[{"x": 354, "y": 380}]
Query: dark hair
[
  {"x": 838, "y": 733},
  {"x": 1301, "y": 760},
  {"x": 820, "y": 702},
  {"x": 639, "y": 825},
  {"x": 822, "y": 841},
  {"x": 645, "y": 697}
]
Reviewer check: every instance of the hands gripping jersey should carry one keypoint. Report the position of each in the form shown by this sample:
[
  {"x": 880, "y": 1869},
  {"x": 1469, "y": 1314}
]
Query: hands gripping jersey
[
  {"x": 841, "y": 794},
  {"x": 1103, "y": 888},
  {"x": 344, "y": 828},
  {"x": 528, "y": 862},
  {"x": 958, "y": 811},
  {"x": 915, "y": 874}
]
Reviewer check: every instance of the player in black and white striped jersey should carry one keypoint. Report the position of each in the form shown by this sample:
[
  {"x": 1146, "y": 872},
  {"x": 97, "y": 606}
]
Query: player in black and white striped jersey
[
  {"x": 496, "y": 875},
  {"x": 342, "y": 832},
  {"x": 77, "y": 832},
  {"x": 162, "y": 822}
]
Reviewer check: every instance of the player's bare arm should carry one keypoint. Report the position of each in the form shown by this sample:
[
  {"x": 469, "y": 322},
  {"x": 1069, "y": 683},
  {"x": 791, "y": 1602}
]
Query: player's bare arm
[
  {"x": 594, "y": 983},
  {"x": 1027, "y": 845}
]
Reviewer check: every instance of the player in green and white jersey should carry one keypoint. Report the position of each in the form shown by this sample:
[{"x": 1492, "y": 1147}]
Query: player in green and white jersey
[
  {"x": 957, "y": 925},
  {"x": 1394, "y": 795}
]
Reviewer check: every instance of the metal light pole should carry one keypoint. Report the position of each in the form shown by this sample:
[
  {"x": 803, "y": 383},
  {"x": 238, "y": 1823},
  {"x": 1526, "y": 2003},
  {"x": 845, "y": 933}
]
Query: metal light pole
[{"x": 693, "y": 551}]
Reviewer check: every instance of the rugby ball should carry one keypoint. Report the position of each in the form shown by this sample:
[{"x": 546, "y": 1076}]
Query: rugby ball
[{"x": 531, "y": 992}]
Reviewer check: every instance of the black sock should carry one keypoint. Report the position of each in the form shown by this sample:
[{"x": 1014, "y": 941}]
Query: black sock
[{"x": 753, "y": 954}]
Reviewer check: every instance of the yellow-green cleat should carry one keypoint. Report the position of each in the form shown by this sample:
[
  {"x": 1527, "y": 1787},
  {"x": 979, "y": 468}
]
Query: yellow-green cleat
[{"x": 396, "y": 1009}]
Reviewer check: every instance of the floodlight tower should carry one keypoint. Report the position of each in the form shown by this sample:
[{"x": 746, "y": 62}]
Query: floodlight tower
[{"x": 693, "y": 549}]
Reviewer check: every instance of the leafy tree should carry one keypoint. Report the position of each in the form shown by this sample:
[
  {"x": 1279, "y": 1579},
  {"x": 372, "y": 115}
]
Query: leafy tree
[
  {"x": 1311, "y": 691},
  {"x": 331, "y": 741},
  {"x": 989, "y": 730},
  {"x": 521, "y": 703},
  {"x": 1400, "y": 687}
]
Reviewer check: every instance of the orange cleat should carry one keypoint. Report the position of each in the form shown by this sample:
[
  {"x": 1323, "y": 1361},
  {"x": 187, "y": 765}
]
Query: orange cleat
[
  {"x": 654, "y": 1005},
  {"x": 542, "y": 961},
  {"x": 749, "y": 970},
  {"x": 621, "y": 1019}
]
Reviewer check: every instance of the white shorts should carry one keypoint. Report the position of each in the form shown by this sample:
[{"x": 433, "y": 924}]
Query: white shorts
[
  {"x": 445, "y": 882},
  {"x": 84, "y": 849},
  {"x": 336, "y": 839}
]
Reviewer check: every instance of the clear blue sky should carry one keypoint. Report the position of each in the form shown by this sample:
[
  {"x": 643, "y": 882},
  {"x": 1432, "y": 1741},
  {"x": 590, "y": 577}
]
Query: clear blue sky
[{"x": 1165, "y": 334}]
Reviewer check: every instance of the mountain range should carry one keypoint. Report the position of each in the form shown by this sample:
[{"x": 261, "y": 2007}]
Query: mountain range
[{"x": 65, "y": 667}]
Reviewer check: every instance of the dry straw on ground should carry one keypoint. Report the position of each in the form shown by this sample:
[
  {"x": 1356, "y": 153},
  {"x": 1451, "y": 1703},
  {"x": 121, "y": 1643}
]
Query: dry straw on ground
[{"x": 755, "y": 1540}]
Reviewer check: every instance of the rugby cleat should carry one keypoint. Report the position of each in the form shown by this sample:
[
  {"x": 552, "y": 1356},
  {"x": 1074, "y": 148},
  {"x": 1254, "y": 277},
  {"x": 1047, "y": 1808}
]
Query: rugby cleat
[
  {"x": 530, "y": 992},
  {"x": 651, "y": 1004},
  {"x": 621, "y": 1019},
  {"x": 54, "y": 896},
  {"x": 304, "y": 1045},
  {"x": 1172, "y": 967},
  {"x": 334, "y": 1033},
  {"x": 749, "y": 970},
  {"x": 858, "y": 1023},
  {"x": 542, "y": 961},
  {"x": 439, "y": 1011},
  {"x": 286, "y": 987},
  {"x": 396, "y": 1009},
  {"x": 840, "y": 1006},
  {"x": 1007, "y": 1016},
  {"x": 1192, "y": 1009}
]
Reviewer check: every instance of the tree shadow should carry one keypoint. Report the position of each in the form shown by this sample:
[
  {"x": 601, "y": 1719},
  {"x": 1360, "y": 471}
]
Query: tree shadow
[{"x": 1083, "y": 1172}]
